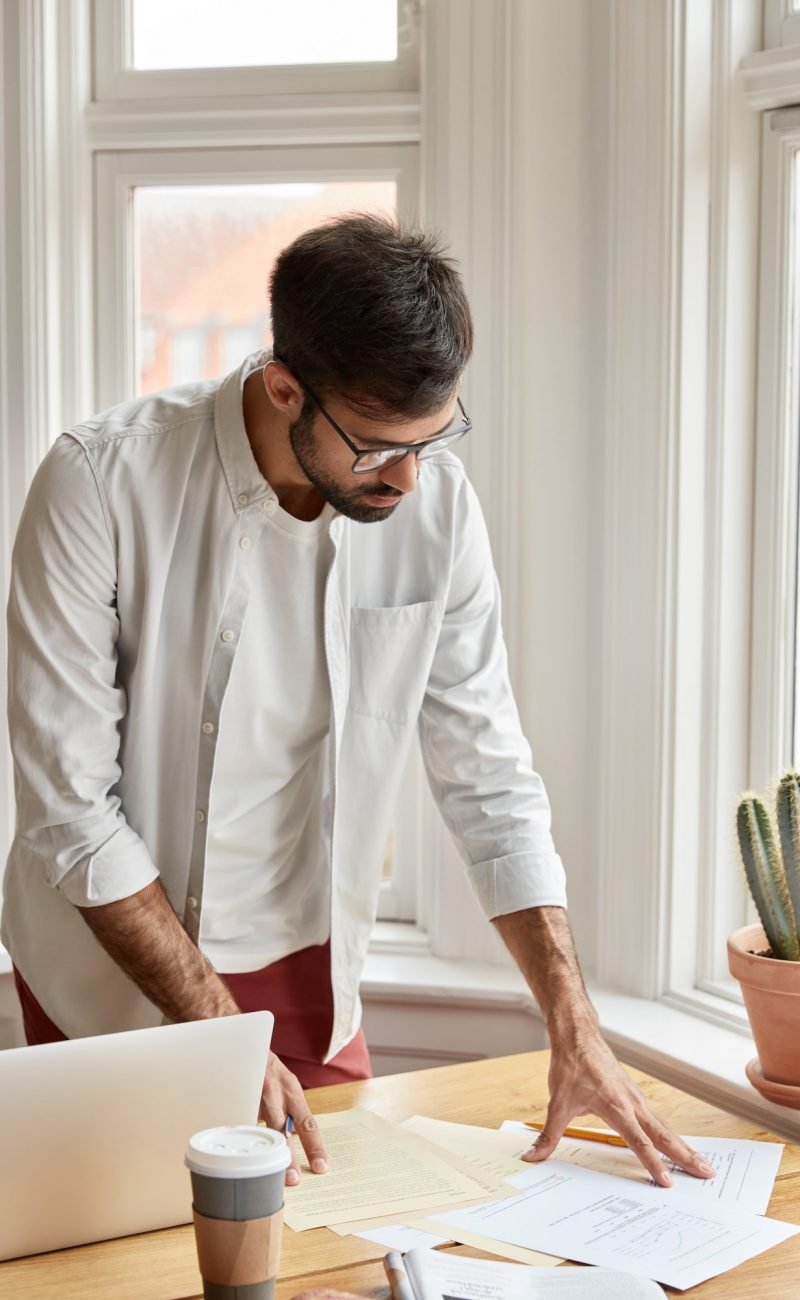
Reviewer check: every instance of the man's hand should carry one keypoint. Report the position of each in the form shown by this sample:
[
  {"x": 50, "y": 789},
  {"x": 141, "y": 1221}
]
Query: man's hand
[
  {"x": 147, "y": 941},
  {"x": 282, "y": 1096},
  {"x": 586, "y": 1078}
]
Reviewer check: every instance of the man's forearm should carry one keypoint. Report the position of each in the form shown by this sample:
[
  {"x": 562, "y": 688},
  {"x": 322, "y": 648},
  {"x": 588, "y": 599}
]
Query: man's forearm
[
  {"x": 540, "y": 941},
  {"x": 147, "y": 941}
]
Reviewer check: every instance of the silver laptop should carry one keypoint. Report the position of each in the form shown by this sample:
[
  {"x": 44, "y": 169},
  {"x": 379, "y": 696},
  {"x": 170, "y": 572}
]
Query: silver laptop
[{"x": 93, "y": 1131}]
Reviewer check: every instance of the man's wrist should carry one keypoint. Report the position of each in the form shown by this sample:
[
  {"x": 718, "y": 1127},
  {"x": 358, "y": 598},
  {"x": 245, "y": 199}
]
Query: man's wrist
[{"x": 571, "y": 1020}]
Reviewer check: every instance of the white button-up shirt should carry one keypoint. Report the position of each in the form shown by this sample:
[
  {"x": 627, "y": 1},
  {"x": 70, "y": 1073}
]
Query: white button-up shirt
[{"x": 129, "y": 590}]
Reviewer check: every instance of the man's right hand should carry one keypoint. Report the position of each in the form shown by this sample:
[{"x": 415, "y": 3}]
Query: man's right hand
[
  {"x": 282, "y": 1096},
  {"x": 143, "y": 935}
]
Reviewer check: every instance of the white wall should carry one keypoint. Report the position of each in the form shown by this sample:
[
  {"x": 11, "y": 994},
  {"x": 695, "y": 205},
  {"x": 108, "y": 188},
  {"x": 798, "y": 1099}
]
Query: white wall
[{"x": 559, "y": 145}]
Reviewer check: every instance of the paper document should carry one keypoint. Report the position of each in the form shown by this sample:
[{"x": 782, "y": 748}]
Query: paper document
[
  {"x": 746, "y": 1170},
  {"x": 436, "y": 1275},
  {"x": 376, "y": 1169},
  {"x": 594, "y": 1218},
  {"x": 493, "y": 1151},
  {"x": 489, "y": 1244},
  {"x": 401, "y": 1236},
  {"x": 353, "y": 1226}
]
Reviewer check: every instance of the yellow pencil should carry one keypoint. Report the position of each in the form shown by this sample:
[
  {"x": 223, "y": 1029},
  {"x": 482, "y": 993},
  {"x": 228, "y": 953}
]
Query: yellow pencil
[{"x": 589, "y": 1134}]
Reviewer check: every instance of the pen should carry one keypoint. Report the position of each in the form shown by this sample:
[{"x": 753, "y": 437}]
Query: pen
[
  {"x": 398, "y": 1277},
  {"x": 588, "y": 1134},
  {"x": 288, "y": 1128}
]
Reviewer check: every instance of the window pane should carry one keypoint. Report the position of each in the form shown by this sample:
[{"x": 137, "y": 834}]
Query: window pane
[
  {"x": 204, "y": 256},
  {"x": 244, "y": 33}
]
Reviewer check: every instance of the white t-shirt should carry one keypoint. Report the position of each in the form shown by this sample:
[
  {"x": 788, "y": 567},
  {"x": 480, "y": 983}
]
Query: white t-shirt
[{"x": 267, "y": 884}]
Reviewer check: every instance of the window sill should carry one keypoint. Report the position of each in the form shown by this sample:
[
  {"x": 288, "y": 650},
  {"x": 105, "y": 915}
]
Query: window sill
[{"x": 698, "y": 1043}]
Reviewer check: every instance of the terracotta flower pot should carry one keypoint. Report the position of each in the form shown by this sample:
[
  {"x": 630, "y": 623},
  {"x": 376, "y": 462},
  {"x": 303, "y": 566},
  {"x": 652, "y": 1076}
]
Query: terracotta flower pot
[{"x": 771, "y": 991}]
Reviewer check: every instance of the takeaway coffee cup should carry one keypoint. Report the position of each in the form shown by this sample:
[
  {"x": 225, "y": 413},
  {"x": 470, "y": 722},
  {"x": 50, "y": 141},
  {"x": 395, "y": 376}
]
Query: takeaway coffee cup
[{"x": 237, "y": 1203}]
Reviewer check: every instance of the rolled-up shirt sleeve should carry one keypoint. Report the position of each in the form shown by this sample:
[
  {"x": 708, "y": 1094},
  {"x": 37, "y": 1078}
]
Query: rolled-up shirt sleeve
[
  {"x": 477, "y": 759},
  {"x": 65, "y": 705}
]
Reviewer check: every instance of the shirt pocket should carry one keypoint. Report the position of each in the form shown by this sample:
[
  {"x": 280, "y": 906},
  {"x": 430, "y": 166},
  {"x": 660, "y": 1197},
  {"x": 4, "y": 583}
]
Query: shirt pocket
[{"x": 391, "y": 650}]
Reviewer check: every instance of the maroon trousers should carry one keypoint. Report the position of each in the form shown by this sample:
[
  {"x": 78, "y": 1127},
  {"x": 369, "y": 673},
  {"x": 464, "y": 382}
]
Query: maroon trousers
[{"x": 297, "y": 990}]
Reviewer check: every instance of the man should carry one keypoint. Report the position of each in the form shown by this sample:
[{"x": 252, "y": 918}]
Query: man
[{"x": 217, "y": 666}]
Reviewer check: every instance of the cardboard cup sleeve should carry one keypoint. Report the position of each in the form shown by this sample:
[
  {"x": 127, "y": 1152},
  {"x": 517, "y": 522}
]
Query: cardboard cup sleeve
[{"x": 238, "y": 1253}]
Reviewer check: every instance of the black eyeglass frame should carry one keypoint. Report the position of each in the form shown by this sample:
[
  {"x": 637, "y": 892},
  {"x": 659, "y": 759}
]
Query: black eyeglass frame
[{"x": 402, "y": 449}]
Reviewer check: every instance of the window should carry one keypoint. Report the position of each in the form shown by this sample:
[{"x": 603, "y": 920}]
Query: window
[
  {"x": 776, "y": 720},
  {"x": 240, "y": 33},
  {"x": 196, "y": 48}
]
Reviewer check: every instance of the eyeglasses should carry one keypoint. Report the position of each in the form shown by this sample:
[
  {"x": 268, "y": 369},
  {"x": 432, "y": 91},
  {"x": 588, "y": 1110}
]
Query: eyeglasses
[{"x": 382, "y": 457}]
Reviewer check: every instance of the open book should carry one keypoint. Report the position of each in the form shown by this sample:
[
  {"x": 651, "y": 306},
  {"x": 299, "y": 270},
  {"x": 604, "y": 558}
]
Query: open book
[{"x": 440, "y": 1275}]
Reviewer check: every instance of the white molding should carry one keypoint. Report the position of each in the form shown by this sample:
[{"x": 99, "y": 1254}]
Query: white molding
[
  {"x": 39, "y": 294},
  {"x": 679, "y": 429},
  {"x": 638, "y": 495},
  {"x": 467, "y": 193},
  {"x": 727, "y": 431},
  {"x": 45, "y": 299},
  {"x": 771, "y": 78},
  {"x": 56, "y": 214},
  {"x": 242, "y": 121},
  {"x": 776, "y": 506},
  {"x": 9, "y": 365}
]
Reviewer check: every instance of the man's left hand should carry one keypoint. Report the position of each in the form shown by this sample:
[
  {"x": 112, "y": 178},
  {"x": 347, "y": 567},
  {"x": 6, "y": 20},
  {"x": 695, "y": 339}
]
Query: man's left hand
[{"x": 585, "y": 1078}]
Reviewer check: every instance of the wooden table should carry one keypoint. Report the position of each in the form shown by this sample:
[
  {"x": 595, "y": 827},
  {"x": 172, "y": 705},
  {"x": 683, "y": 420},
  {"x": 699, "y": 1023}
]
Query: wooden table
[{"x": 162, "y": 1266}]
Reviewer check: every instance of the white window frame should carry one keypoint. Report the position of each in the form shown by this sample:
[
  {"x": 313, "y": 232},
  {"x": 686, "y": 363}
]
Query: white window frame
[
  {"x": 678, "y": 552},
  {"x": 117, "y": 79},
  {"x": 775, "y": 612},
  {"x": 117, "y": 174}
]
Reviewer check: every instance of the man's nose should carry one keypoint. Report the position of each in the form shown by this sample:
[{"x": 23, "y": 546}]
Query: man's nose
[{"x": 402, "y": 475}]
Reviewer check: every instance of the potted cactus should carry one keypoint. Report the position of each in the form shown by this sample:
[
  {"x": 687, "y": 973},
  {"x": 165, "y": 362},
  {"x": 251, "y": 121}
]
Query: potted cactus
[{"x": 765, "y": 958}]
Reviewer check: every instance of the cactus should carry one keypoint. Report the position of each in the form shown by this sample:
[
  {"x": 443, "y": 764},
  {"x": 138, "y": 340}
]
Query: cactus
[
  {"x": 788, "y": 802},
  {"x": 765, "y": 870}
]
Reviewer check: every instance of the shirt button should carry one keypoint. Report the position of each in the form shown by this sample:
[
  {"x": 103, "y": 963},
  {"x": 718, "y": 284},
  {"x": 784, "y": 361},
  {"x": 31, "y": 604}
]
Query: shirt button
[
  {"x": 269, "y": 505},
  {"x": 245, "y": 543},
  {"x": 242, "y": 498},
  {"x": 199, "y": 815},
  {"x": 228, "y": 635},
  {"x": 191, "y": 903},
  {"x": 208, "y": 728}
]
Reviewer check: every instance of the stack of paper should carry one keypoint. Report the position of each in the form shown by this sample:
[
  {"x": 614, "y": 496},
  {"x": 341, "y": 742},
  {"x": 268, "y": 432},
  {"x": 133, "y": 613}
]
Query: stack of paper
[
  {"x": 377, "y": 1170},
  {"x": 675, "y": 1237},
  {"x": 428, "y": 1181},
  {"x": 745, "y": 1170}
]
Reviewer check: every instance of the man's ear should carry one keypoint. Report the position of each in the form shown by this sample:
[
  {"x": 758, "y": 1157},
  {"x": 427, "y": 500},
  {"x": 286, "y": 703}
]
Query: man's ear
[{"x": 283, "y": 389}]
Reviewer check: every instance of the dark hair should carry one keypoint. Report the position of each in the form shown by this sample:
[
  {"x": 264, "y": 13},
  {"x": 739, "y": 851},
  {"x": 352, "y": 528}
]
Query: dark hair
[{"x": 371, "y": 309}]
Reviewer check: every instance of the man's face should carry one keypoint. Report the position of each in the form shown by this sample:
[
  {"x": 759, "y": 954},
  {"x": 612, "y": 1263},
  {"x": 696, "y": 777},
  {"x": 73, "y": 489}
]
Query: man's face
[{"x": 327, "y": 461}]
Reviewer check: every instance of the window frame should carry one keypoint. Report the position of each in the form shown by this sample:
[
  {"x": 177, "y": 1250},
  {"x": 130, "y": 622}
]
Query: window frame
[
  {"x": 115, "y": 78},
  {"x": 775, "y": 724}
]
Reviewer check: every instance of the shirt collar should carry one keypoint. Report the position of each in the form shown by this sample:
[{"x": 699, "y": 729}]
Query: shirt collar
[{"x": 245, "y": 481}]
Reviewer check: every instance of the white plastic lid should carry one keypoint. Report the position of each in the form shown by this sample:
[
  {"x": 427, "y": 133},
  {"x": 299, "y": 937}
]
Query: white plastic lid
[{"x": 240, "y": 1151}]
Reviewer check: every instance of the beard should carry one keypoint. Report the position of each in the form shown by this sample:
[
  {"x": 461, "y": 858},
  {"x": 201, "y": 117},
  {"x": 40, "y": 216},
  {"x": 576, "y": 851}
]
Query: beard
[{"x": 347, "y": 501}]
